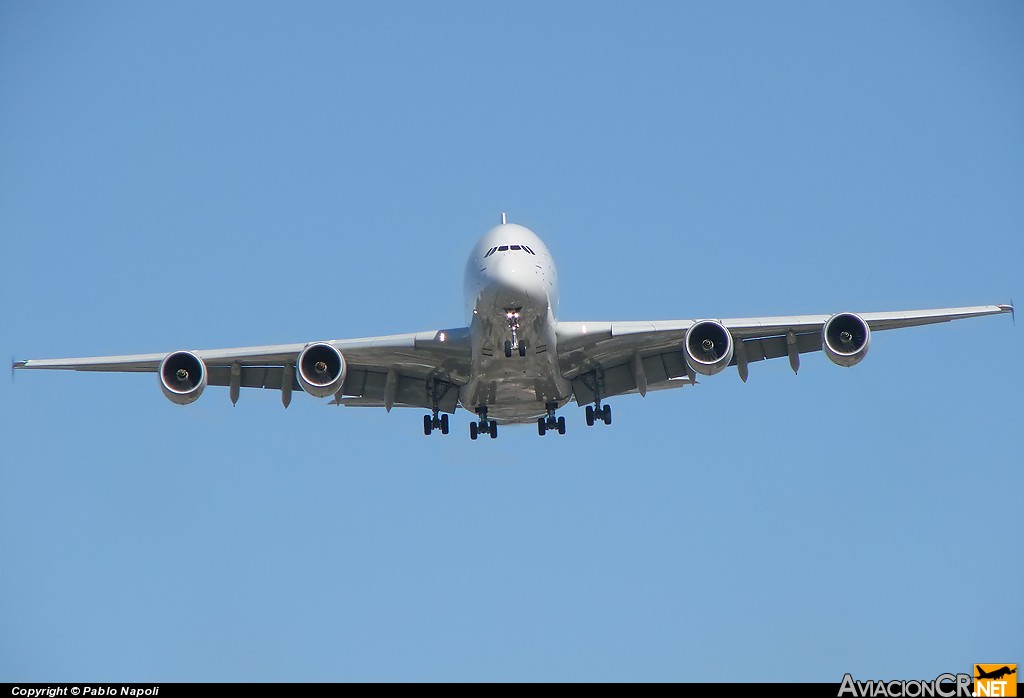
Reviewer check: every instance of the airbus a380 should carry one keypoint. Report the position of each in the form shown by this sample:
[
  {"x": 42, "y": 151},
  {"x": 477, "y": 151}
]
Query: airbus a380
[{"x": 515, "y": 362}]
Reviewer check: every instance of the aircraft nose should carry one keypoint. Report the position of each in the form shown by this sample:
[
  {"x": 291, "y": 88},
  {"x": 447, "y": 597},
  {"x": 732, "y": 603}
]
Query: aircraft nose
[{"x": 512, "y": 281}]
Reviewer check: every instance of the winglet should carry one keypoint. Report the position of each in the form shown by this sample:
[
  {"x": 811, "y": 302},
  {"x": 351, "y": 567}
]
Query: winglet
[
  {"x": 1009, "y": 309},
  {"x": 17, "y": 364}
]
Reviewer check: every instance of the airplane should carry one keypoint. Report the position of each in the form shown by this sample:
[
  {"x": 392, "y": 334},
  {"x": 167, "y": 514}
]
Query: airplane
[
  {"x": 996, "y": 674},
  {"x": 515, "y": 362}
]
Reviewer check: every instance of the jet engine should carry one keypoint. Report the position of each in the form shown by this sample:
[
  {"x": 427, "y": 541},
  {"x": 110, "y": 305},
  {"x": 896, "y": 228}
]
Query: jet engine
[
  {"x": 708, "y": 347},
  {"x": 845, "y": 339},
  {"x": 182, "y": 377},
  {"x": 321, "y": 369}
]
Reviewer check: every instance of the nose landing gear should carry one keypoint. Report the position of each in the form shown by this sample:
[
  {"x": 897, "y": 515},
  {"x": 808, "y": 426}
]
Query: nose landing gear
[
  {"x": 551, "y": 423},
  {"x": 512, "y": 316}
]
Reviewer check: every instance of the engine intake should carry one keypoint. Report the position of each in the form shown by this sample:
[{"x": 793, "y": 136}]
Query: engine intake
[
  {"x": 845, "y": 339},
  {"x": 182, "y": 377},
  {"x": 321, "y": 369},
  {"x": 708, "y": 347}
]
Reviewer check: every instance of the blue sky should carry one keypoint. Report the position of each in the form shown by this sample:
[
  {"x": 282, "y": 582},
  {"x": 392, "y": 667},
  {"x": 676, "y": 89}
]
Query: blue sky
[{"x": 203, "y": 175}]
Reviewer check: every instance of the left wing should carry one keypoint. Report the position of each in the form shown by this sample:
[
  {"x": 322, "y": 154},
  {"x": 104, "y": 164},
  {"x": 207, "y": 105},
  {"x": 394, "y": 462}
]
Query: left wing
[
  {"x": 615, "y": 358},
  {"x": 405, "y": 369}
]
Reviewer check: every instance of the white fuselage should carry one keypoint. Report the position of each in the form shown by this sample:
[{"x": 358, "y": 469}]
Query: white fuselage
[{"x": 511, "y": 270}]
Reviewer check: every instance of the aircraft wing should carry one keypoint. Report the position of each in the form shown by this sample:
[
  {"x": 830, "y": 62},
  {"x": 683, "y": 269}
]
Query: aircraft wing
[
  {"x": 410, "y": 362},
  {"x": 640, "y": 356}
]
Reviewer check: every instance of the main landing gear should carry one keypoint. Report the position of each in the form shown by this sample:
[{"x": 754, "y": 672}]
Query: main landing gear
[
  {"x": 597, "y": 412},
  {"x": 430, "y": 423},
  {"x": 484, "y": 426},
  {"x": 512, "y": 316},
  {"x": 550, "y": 423},
  {"x": 436, "y": 390}
]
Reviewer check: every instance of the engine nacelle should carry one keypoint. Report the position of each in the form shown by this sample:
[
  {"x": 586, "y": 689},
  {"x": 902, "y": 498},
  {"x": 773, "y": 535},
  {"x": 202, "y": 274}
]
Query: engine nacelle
[
  {"x": 708, "y": 347},
  {"x": 845, "y": 339},
  {"x": 321, "y": 369},
  {"x": 182, "y": 377}
]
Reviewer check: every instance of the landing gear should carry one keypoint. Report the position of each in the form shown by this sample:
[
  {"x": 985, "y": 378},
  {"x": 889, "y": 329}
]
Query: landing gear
[
  {"x": 513, "y": 345},
  {"x": 430, "y": 423},
  {"x": 508, "y": 349},
  {"x": 484, "y": 426},
  {"x": 598, "y": 413},
  {"x": 551, "y": 423}
]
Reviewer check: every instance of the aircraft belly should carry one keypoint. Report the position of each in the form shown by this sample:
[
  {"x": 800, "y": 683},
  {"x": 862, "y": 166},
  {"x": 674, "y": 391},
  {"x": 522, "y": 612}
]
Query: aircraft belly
[{"x": 516, "y": 389}]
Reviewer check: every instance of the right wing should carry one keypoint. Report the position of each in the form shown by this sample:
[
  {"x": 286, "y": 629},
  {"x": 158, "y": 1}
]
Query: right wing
[
  {"x": 634, "y": 357},
  {"x": 399, "y": 369}
]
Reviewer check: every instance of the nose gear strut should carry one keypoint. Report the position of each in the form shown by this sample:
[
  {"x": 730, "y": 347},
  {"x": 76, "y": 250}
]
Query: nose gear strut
[
  {"x": 544, "y": 424},
  {"x": 512, "y": 316}
]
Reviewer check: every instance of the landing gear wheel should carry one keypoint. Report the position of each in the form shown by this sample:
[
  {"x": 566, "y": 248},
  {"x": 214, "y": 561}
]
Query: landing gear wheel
[
  {"x": 428, "y": 425},
  {"x": 444, "y": 424},
  {"x": 541, "y": 426},
  {"x": 561, "y": 425},
  {"x": 492, "y": 429},
  {"x": 522, "y": 349},
  {"x": 607, "y": 414},
  {"x": 590, "y": 416},
  {"x": 472, "y": 430},
  {"x": 508, "y": 349}
]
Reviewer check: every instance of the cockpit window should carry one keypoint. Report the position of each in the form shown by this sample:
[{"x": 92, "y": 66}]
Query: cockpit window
[{"x": 513, "y": 248}]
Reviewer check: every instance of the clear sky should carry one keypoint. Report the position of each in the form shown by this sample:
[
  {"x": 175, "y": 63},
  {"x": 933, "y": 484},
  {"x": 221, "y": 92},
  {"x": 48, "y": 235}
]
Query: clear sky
[{"x": 199, "y": 175}]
